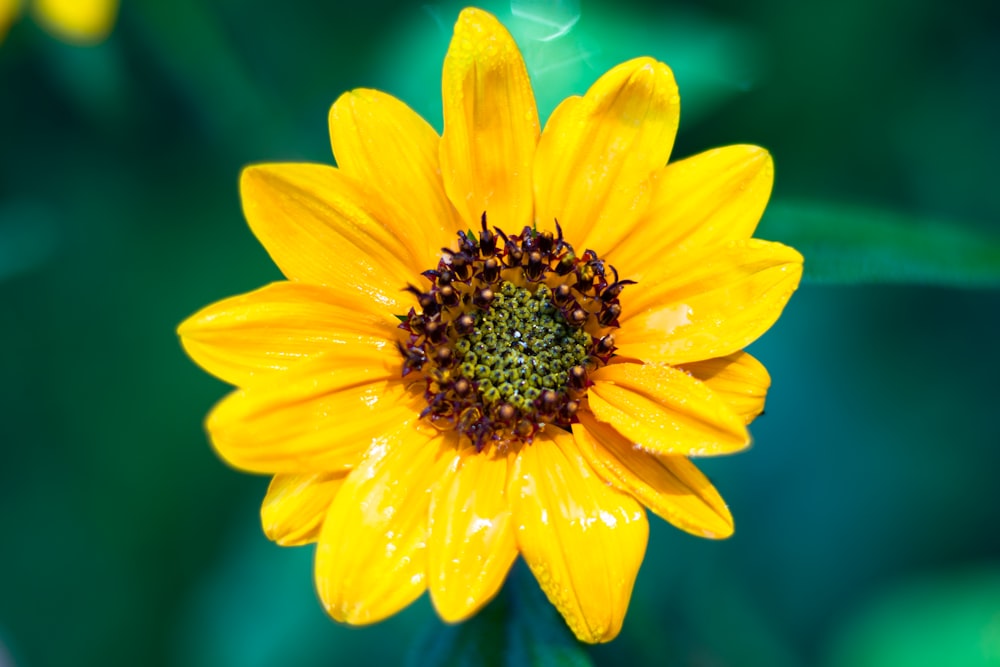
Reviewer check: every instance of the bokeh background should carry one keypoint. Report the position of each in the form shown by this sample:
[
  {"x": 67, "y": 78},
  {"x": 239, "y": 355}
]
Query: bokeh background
[{"x": 868, "y": 511}]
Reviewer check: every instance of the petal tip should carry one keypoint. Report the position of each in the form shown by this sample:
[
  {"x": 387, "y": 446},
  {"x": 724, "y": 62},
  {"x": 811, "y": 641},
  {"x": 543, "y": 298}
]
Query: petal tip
[
  {"x": 479, "y": 24},
  {"x": 753, "y": 151},
  {"x": 251, "y": 171},
  {"x": 346, "y": 103},
  {"x": 262, "y": 172},
  {"x": 471, "y": 16},
  {"x": 758, "y": 162},
  {"x": 449, "y": 611},
  {"x": 252, "y": 178},
  {"x": 186, "y": 328},
  {"x": 193, "y": 327},
  {"x": 723, "y": 528}
]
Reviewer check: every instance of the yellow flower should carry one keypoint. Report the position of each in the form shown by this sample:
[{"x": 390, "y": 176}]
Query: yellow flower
[
  {"x": 428, "y": 414},
  {"x": 74, "y": 21}
]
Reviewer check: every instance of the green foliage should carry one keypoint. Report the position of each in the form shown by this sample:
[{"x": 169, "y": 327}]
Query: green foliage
[
  {"x": 518, "y": 629},
  {"x": 941, "y": 620},
  {"x": 848, "y": 245},
  {"x": 27, "y": 237}
]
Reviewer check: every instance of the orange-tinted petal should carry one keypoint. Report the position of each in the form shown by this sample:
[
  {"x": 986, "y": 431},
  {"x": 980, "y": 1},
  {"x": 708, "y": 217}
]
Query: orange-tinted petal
[
  {"x": 381, "y": 141},
  {"x": 597, "y": 153},
  {"x": 324, "y": 227},
  {"x": 582, "y": 539},
  {"x": 79, "y": 21},
  {"x": 706, "y": 305},
  {"x": 703, "y": 201},
  {"x": 471, "y": 544},
  {"x": 664, "y": 410},
  {"x": 273, "y": 328},
  {"x": 671, "y": 486},
  {"x": 490, "y": 124},
  {"x": 371, "y": 559},
  {"x": 295, "y": 506},
  {"x": 739, "y": 379},
  {"x": 320, "y": 415}
]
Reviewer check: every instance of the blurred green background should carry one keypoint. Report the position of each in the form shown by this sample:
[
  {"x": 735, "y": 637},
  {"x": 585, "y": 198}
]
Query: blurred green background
[{"x": 868, "y": 512}]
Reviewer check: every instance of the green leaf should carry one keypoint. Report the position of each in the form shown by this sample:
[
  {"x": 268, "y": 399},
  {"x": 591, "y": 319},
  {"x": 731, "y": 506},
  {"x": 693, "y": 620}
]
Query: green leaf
[
  {"x": 477, "y": 642},
  {"x": 948, "y": 618},
  {"x": 188, "y": 37},
  {"x": 537, "y": 634},
  {"x": 28, "y": 237},
  {"x": 518, "y": 628},
  {"x": 845, "y": 244}
]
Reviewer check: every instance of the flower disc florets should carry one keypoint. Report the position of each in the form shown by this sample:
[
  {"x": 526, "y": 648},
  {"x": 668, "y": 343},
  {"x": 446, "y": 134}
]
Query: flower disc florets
[{"x": 506, "y": 334}]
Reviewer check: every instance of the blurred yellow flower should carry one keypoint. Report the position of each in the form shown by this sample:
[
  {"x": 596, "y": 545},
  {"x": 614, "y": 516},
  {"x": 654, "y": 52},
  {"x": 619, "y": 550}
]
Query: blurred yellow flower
[
  {"x": 9, "y": 10},
  {"x": 74, "y": 21},
  {"x": 498, "y": 341}
]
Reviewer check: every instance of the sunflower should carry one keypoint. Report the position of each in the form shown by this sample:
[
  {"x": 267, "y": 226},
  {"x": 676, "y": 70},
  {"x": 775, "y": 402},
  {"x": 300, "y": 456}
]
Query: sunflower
[
  {"x": 497, "y": 341},
  {"x": 74, "y": 21}
]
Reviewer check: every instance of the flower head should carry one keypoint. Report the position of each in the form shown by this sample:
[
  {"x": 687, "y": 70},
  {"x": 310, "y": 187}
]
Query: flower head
[{"x": 499, "y": 341}]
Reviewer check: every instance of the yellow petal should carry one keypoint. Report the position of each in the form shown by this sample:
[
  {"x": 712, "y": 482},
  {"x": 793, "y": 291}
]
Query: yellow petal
[
  {"x": 701, "y": 306},
  {"x": 671, "y": 486},
  {"x": 371, "y": 559},
  {"x": 295, "y": 506},
  {"x": 598, "y": 152},
  {"x": 490, "y": 124},
  {"x": 320, "y": 415},
  {"x": 323, "y": 227},
  {"x": 582, "y": 539},
  {"x": 381, "y": 141},
  {"x": 739, "y": 379},
  {"x": 664, "y": 410},
  {"x": 80, "y": 21},
  {"x": 273, "y": 328},
  {"x": 700, "y": 202},
  {"x": 471, "y": 545}
]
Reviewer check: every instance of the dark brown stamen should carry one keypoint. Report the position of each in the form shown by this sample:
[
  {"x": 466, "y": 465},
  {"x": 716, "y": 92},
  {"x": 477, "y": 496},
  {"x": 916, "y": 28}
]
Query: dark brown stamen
[
  {"x": 506, "y": 413},
  {"x": 611, "y": 292},
  {"x": 444, "y": 357},
  {"x": 435, "y": 331},
  {"x": 491, "y": 271},
  {"x": 483, "y": 298},
  {"x": 449, "y": 297},
  {"x": 565, "y": 265},
  {"x": 460, "y": 264},
  {"x": 609, "y": 316},
  {"x": 427, "y": 300},
  {"x": 561, "y": 295},
  {"x": 464, "y": 324},
  {"x": 462, "y": 387},
  {"x": 506, "y": 335},
  {"x": 577, "y": 317},
  {"x": 487, "y": 241},
  {"x": 514, "y": 256},
  {"x": 605, "y": 346},
  {"x": 578, "y": 377},
  {"x": 413, "y": 323},
  {"x": 545, "y": 242},
  {"x": 534, "y": 269}
]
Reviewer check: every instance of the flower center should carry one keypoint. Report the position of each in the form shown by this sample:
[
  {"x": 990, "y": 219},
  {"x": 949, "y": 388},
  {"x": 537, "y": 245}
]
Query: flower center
[
  {"x": 520, "y": 347},
  {"x": 505, "y": 337}
]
